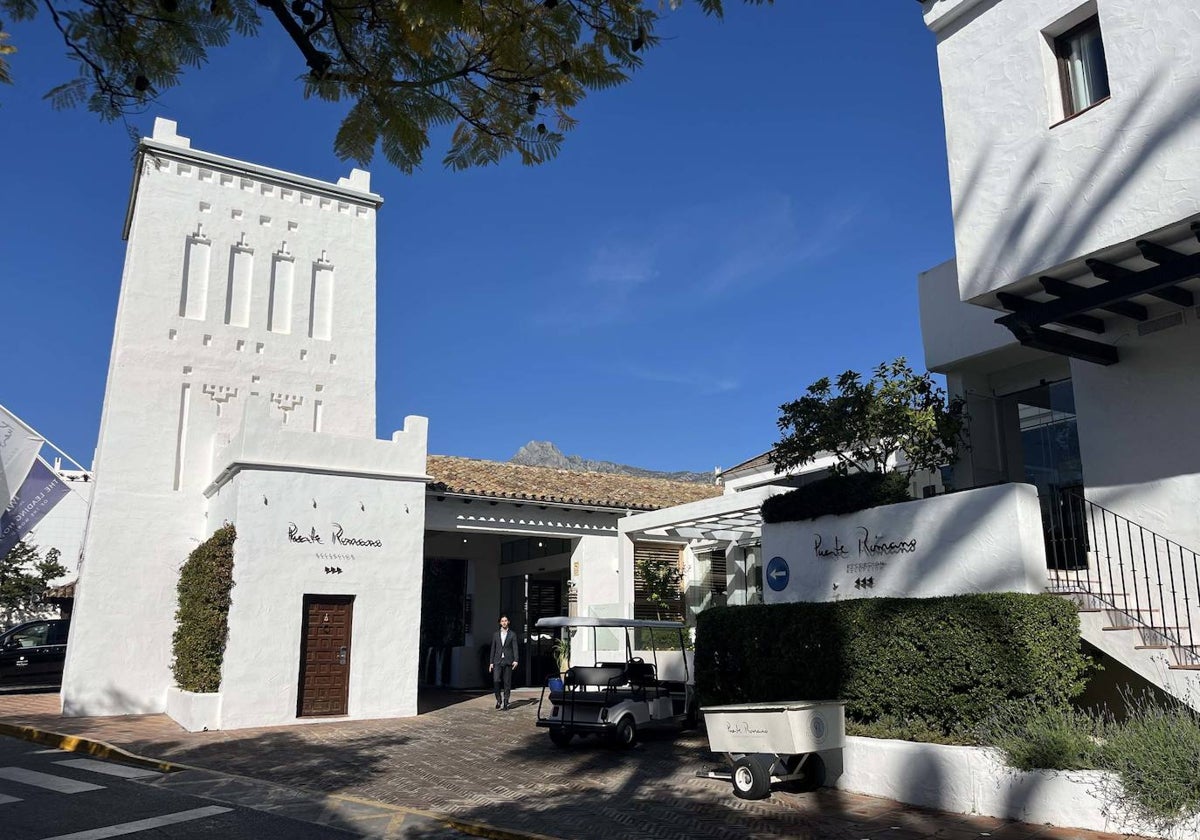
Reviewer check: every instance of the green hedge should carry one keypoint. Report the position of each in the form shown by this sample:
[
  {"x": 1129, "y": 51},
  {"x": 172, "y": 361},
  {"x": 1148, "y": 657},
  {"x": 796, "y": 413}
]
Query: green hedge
[
  {"x": 949, "y": 662},
  {"x": 202, "y": 618},
  {"x": 837, "y": 494}
]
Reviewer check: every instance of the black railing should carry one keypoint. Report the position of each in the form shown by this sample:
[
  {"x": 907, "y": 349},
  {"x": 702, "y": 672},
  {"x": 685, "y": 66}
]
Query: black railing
[{"x": 1150, "y": 581}]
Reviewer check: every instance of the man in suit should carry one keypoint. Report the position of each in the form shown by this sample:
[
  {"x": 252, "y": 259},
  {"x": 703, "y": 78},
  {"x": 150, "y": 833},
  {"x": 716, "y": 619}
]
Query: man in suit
[{"x": 503, "y": 661}]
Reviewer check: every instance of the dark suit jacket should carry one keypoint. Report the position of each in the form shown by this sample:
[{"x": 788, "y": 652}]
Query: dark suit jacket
[{"x": 506, "y": 653}]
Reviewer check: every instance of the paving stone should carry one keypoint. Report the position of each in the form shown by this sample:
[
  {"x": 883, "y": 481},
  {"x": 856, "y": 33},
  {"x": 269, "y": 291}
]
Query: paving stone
[{"x": 462, "y": 759}]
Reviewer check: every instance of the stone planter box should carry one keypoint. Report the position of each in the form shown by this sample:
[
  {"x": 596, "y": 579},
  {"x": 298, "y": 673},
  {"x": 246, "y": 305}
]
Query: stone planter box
[
  {"x": 973, "y": 780},
  {"x": 194, "y": 712}
]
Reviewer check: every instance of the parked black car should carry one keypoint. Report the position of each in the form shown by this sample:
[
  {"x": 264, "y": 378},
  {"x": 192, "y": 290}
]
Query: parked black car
[{"x": 34, "y": 652}]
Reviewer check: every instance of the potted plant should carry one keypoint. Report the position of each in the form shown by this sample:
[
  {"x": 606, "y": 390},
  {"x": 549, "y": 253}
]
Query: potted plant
[{"x": 562, "y": 652}]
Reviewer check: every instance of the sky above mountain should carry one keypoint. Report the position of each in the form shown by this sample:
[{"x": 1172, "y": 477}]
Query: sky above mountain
[{"x": 748, "y": 214}]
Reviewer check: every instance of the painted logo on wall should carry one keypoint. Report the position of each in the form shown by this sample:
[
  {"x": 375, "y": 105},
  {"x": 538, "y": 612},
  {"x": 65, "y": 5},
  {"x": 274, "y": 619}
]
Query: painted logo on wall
[{"x": 337, "y": 536}]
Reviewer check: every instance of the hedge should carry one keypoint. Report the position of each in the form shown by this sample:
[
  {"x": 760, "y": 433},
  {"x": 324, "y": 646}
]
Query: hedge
[
  {"x": 202, "y": 617},
  {"x": 950, "y": 662},
  {"x": 837, "y": 495}
]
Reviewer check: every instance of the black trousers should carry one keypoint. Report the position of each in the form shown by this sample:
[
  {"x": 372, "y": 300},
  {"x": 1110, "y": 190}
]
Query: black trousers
[{"x": 502, "y": 681}]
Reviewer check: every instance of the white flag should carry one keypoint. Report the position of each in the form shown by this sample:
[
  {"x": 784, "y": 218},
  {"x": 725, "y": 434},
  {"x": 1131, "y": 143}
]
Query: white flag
[{"x": 19, "y": 446}]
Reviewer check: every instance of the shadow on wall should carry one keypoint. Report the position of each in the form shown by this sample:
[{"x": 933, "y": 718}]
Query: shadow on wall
[{"x": 1049, "y": 235}]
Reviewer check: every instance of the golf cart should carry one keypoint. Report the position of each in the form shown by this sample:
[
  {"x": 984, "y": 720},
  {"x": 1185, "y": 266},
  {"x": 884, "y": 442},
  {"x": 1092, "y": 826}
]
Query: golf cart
[{"x": 633, "y": 683}]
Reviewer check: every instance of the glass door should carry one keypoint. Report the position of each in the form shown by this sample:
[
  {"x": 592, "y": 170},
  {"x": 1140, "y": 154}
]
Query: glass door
[{"x": 1050, "y": 461}]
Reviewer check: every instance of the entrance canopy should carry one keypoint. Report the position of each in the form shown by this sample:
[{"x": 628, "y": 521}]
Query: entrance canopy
[{"x": 733, "y": 517}]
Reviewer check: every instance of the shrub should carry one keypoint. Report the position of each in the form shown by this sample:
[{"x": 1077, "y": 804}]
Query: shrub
[
  {"x": 1155, "y": 753},
  {"x": 837, "y": 495},
  {"x": 949, "y": 662},
  {"x": 202, "y": 617},
  {"x": 1052, "y": 738}
]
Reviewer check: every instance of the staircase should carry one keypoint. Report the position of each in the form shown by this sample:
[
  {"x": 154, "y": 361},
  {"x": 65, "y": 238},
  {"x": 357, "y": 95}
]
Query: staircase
[{"x": 1138, "y": 592}]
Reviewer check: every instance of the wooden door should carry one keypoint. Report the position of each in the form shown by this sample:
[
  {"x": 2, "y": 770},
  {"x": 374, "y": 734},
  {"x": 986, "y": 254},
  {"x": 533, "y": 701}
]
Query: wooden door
[{"x": 325, "y": 655}]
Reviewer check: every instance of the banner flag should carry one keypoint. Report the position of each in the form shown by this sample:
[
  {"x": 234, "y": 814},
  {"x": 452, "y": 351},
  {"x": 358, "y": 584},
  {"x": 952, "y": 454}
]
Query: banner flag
[
  {"x": 19, "y": 446},
  {"x": 41, "y": 491}
]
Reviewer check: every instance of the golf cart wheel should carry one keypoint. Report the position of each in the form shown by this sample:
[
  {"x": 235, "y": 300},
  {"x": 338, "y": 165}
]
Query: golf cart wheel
[
  {"x": 814, "y": 775},
  {"x": 625, "y": 734},
  {"x": 751, "y": 778},
  {"x": 560, "y": 737}
]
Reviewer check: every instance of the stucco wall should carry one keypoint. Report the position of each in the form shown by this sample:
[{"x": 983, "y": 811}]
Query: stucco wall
[
  {"x": 986, "y": 540},
  {"x": 951, "y": 330},
  {"x": 1029, "y": 194},
  {"x": 1141, "y": 457},
  {"x": 272, "y": 574}
]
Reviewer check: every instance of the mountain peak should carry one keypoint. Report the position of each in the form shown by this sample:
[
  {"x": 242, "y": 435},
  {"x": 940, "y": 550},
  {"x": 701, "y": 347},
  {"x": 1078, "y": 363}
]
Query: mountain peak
[{"x": 543, "y": 453}]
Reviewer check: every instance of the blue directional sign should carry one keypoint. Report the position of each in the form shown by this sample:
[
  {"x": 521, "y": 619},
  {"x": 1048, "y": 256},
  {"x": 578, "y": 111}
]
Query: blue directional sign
[{"x": 778, "y": 574}]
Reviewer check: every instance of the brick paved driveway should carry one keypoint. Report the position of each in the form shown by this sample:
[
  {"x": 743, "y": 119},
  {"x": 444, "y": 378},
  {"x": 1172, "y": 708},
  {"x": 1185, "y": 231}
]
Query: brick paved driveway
[{"x": 463, "y": 758}]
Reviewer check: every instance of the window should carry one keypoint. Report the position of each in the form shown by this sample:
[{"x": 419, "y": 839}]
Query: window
[
  {"x": 32, "y": 636},
  {"x": 657, "y": 581},
  {"x": 1082, "y": 69},
  {"x": 532, "y": 548}
]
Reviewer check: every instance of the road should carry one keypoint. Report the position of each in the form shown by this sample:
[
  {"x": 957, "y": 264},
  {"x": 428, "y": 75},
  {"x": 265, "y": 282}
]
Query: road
[{"x": 48, "y": 794}]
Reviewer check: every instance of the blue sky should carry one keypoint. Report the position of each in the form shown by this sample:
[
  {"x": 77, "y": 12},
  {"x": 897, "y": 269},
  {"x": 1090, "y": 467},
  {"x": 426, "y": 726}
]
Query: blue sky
[{"x": 748, "y": 214}]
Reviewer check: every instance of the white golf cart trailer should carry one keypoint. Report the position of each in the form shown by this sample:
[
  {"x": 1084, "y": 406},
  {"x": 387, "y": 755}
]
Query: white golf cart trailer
[{"x": 626, "y": 688}]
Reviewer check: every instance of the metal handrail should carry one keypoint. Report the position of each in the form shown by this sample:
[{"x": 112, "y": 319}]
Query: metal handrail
[{"x": 1148, "y": 578}]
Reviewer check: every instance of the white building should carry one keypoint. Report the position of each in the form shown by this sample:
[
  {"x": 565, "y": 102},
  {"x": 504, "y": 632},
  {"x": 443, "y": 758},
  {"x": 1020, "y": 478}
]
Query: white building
[
  {"x": 241, "y": 389},
  {"x": 1073, "y": 142}
]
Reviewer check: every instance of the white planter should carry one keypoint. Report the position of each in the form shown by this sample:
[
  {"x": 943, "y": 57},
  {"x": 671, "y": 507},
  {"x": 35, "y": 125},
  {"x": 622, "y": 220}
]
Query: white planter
[
  {"x": 194, "y": 712},
  {"x": 974, "y": 780}
]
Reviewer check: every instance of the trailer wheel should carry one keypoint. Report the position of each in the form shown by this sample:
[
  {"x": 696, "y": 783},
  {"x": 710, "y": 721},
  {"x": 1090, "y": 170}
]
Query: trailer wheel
[
  {"x": 751, "y": 778},
  {"x": 625, "y": 735}
]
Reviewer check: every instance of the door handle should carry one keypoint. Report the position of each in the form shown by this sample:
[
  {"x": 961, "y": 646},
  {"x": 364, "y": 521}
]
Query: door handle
[{"x": 342, "y": 655}]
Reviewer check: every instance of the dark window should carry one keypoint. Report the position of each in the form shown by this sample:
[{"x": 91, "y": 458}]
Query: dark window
[
  {"x": 32, "y": 636},
  {"x": 58, "y": 633},
  {"x": 531, "y": 548},
  {"x": 1082, "y": 68}
]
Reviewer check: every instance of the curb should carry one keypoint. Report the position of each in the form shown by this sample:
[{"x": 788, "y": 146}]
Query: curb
[
  {"x": 101, "y": 749},
  {"x": 76, "y": 743}
]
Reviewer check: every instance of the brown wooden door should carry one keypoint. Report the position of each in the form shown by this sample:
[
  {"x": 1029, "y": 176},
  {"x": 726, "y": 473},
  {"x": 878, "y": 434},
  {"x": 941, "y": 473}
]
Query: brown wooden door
[{"x": 325, "y": 655}]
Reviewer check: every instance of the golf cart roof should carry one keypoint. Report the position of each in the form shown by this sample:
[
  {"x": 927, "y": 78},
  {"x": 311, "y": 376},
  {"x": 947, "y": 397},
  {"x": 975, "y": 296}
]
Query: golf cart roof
[{"x": 560, "y": 621}]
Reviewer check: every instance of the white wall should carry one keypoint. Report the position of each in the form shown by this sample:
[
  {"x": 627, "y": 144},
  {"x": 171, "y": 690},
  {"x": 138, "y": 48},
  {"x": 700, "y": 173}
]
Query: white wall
[
  {"x": 1140, "y": 452},
  {"x": 272, "y": 574},
  {"x": 595, "y": 571},
  {"x": 951, "y": 330},
  {"x": 972, "y": 780},
  {"x": 986, "y": 540},
  {"x": 1028, "y": 194},
  {"x": 62, "y": 527}
]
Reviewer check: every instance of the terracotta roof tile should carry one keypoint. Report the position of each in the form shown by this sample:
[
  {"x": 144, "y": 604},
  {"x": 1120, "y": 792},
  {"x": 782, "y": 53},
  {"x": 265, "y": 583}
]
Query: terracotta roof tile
[{"x": 546, "y": 484}]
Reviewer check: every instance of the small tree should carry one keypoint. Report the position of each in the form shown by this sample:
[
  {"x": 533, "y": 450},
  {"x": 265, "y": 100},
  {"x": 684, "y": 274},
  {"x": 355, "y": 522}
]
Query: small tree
[
  {"x": 660, "y": 583},
  {"x": 25, "y": 575},
  {"x": 867, "y": 424},
  {"x": 202, "y": 614}
]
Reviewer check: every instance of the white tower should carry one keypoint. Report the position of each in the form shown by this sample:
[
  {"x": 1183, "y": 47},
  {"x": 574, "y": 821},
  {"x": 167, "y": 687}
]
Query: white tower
[{"x": 243, "y": 352}]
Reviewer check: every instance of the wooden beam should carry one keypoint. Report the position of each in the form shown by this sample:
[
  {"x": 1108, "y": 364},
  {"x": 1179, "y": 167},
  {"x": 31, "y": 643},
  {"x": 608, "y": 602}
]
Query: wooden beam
[
  {"x": 1063, "y": 289},
  {"x": 1016, "y": 303},
  {"x": 1167, "y": 291},
  {"x": 1062, "y": 344},
  {"x": 1157, "y": 253},
  {"x": 1116, "y": 291}
]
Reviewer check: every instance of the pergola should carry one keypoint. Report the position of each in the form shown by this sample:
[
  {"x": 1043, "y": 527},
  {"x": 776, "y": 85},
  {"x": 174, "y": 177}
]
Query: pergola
[{"x": 1148, "y": 272}]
